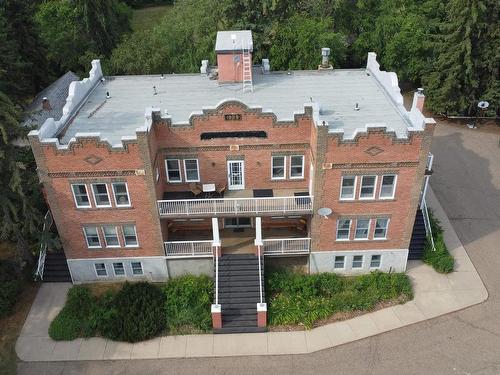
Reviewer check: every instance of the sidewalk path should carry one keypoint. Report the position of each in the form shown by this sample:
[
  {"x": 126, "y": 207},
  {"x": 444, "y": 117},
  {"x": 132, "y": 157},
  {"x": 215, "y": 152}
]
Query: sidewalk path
[{"x": 435, "y": 295}]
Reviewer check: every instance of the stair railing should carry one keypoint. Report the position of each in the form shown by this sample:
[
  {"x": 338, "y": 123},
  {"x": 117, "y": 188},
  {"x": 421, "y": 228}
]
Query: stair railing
[
  {"x": 260, "y": 273},
  {"x": 427, "y": 223},
  {"x": 216, "y": 275},
  {"x": 47, "y": 223}
]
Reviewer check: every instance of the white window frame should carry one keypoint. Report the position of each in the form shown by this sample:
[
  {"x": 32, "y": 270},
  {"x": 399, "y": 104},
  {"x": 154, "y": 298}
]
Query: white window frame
[
  {"x": 114, "y": 269},
  {"x": 104, "y": 236},
  {"x": 354, "y": 188},
  {"x": 335, "y": 261},
  {"x": 374, "y": 187},
  {"x": 167, "y": 170},
  {"x": 379, "y": 262},
  {"x": 86, "y": 192},
  {"x": 197, "y": 170},
  {"x": 393, "y": 186},
  {"x": 348, "y": 234},
  {"x": 290, "y": 168},
  {"x": 367, "y": 232},
  {"x": 105, "y": 269},
  {"x": 86, "y": 239},
  {"x": 107, "y": 192},
  {"x": 157, "y": 174},
  {"x": 362, "y": 262},
  {"x": 135, "y": 232},
  {"x": 284, "y": 167},
  {"x": 132, "y": 268},
  {"x": 386, "y": 228},
  {"x": 129, "y": 204}
]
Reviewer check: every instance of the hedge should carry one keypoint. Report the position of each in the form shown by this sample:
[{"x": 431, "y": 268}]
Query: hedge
[{"x": 440, "y": 258}]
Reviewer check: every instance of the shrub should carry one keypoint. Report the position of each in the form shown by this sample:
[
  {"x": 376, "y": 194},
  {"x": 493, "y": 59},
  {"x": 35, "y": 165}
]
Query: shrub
[
  {"x": 439, "y": 258},
  {"x": 187, "y": 303},
  {"x": 136, "y": 313},
  {"x": 10, "y": 287}
]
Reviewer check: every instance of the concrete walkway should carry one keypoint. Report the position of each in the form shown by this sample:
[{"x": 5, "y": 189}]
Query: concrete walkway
[{"x": 435, "y": 295}]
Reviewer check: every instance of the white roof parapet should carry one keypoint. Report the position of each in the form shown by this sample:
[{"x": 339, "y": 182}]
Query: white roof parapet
[{"x": 388, "y": 80}]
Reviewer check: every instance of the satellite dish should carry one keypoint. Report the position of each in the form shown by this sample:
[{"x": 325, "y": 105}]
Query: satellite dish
[
  {"x": 483, "y": 104},
  {"x": 325, "y": 212}
]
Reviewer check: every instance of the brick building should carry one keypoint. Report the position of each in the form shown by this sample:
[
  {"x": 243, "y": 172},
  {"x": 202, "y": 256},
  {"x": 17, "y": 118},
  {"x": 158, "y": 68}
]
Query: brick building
[{"x": 150, "y": 176}]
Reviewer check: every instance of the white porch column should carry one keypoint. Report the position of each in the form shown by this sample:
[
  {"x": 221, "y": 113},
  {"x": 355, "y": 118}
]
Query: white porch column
[
  {"x": 215, "y": 232},
  {"x": 258, "y": 232}
]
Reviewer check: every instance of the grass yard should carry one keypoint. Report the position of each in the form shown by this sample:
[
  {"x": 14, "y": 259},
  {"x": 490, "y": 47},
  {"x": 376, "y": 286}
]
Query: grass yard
[{"x": 146, "y": 18}]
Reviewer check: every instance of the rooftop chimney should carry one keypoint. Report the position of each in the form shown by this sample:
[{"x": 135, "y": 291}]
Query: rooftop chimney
[
  {"x": 325, "y": 60},
  {"x": 230, "y": 47},
  {"x": 419, "y": 99},
  {"x": 46, "y": 104}
]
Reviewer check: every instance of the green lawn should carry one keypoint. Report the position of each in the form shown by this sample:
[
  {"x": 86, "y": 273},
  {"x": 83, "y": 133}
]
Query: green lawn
[{"x": 146, "y": 18}]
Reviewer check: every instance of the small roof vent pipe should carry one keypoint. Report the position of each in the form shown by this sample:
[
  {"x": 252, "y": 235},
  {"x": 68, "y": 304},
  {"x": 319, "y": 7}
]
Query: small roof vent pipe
[
  {"x": 325, "y": 59},
  {"x": 108, "y": 96},
  {"x": 46, "y": 104},
  {"x": 356, "y": 107}
]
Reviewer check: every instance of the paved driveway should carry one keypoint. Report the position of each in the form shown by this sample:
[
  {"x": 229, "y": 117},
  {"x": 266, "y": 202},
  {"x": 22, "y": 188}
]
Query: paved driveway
[{"x": 467, "y": 182}]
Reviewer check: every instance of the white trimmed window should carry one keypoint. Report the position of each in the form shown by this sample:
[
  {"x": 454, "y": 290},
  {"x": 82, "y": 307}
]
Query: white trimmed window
[
  {"x": 136, "y": 268},
  {"x": 357, "y": 261},
  {"x": 81, "y": 195},
  {"x": 118, "y": 269},
  {"x": 173, "y": 167},
  {"x": 343, "y": 229},
  {"x": 388, "y": 186},
  {"x": 375, "y": 261},
  {"x": 339, "y": 262},
  {"x": 348, "y": 188},
  {"x": 191, "y": 170},
  {"x": 110, "y": 236},
  {"x": 120, "y": 190},
  {"x": 367, "y": 190},
  {"x": 278, "y": 167},
  {"x": 101, "y": 195},
  {"x": 130, "y": 235},
  {"x": 100, "y": 270},
  {"x": 381, "y": 226},
  {"x": 362, "y": 229},
  {"x": 297, "y": 166},
  {"x": 92, "y": 237}
]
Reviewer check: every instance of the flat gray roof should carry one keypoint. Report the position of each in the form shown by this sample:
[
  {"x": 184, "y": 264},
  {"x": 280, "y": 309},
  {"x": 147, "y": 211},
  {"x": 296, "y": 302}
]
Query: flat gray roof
[{"x": 283, "y": 93}]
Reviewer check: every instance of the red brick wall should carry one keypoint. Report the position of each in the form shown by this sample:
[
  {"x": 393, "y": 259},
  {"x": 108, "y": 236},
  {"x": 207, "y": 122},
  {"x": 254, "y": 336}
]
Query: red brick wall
[{"x": 229, "y": 71}]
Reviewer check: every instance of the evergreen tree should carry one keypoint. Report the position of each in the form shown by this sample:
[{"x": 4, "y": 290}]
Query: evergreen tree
[{"x": 467, "y": 58}]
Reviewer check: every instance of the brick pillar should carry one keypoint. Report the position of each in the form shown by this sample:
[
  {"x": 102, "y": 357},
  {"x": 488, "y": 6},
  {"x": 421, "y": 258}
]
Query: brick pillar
[
  {"x": 216, "y": 316},
  {"x": 261, "y": 314}
]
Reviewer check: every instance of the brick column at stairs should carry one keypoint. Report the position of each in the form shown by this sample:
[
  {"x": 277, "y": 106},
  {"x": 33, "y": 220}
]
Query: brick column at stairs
[
  {"x": 261, "y": 314},
  {"x": 216, "y": 316}
]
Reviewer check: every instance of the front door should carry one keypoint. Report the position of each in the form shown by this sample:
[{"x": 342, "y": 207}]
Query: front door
[{"x": 235, "y": 175}]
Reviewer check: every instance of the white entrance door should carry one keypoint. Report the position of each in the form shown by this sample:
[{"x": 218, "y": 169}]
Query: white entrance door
[{"x": 235, "y": 175}]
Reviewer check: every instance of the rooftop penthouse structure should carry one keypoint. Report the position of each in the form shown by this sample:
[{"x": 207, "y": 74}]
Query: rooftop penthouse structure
[{"x": 151, "y": 177}]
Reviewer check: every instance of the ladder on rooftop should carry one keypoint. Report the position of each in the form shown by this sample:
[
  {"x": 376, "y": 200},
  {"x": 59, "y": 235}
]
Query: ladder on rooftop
[{"x": 247, "y": 67}]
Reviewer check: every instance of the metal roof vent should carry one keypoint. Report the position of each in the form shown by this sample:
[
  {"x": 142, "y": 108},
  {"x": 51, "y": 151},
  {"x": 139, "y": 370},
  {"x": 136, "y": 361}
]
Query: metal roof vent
[
  {"x": 108, "y": 96},
  {"x": 356, "y": 107}
]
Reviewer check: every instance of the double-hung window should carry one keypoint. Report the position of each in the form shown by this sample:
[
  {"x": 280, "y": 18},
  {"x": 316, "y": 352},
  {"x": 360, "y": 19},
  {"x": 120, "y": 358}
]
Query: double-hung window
[
  {"x": 357, "y": 261},
  {"x": 339, "y": 262},
  {"x": 191, "y": 170},
  {"x": 380, "y": 232},
  {"x": 362, "y": 228},
  {"x": 101, "y": 195},
  {"x": 130, "y": 235},
  {"x": 343, "y": 229},
  {"x": 278, "y": 167},
  {"x": 111, "y": 236},
  {"x": 367, "y": 190},
  {"x": 136, "y": 268},
  {"x": 100, "y": 269},
  {"x": 348, "y": 188},
  {"x": 118, "y": 269},
  {"x": 173, "y": 168},
  {"x": 297, "y": 166},
  {"x": 375, "y": 261},
  {"x": 388, "y": 186},
  {"x": 120, "y": 191},
  {"x": 92, "y": 237},
  {"x": 81, "y": 195}
]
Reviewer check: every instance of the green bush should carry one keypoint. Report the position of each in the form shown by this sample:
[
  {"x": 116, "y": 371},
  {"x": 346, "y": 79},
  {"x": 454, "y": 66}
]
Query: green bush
[
  {"x": 136, "y": 313},
  {"x": 295, "y": 298},
  {"x": 440, "y": 258},
  {"x": 187, "y": 303},
  {"x": 10, "y": 287}
]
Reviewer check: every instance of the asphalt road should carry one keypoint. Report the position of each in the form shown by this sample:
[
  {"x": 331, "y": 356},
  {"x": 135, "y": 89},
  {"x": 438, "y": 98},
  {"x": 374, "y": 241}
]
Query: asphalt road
[{"x": 467, "y": 183}]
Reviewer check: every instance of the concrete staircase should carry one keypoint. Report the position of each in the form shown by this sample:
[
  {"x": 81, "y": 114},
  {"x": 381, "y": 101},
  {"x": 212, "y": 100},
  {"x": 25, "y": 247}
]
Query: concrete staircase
[
  {"x": 239, "y": 293},
  {"x": 417, "y": 242}
]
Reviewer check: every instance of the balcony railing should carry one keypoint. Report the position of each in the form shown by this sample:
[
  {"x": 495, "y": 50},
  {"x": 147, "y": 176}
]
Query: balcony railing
[
  {"x": 284, "y": 246},
  {"x": 235, "y": 206},
  {"x": 189, "y": 249}
]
